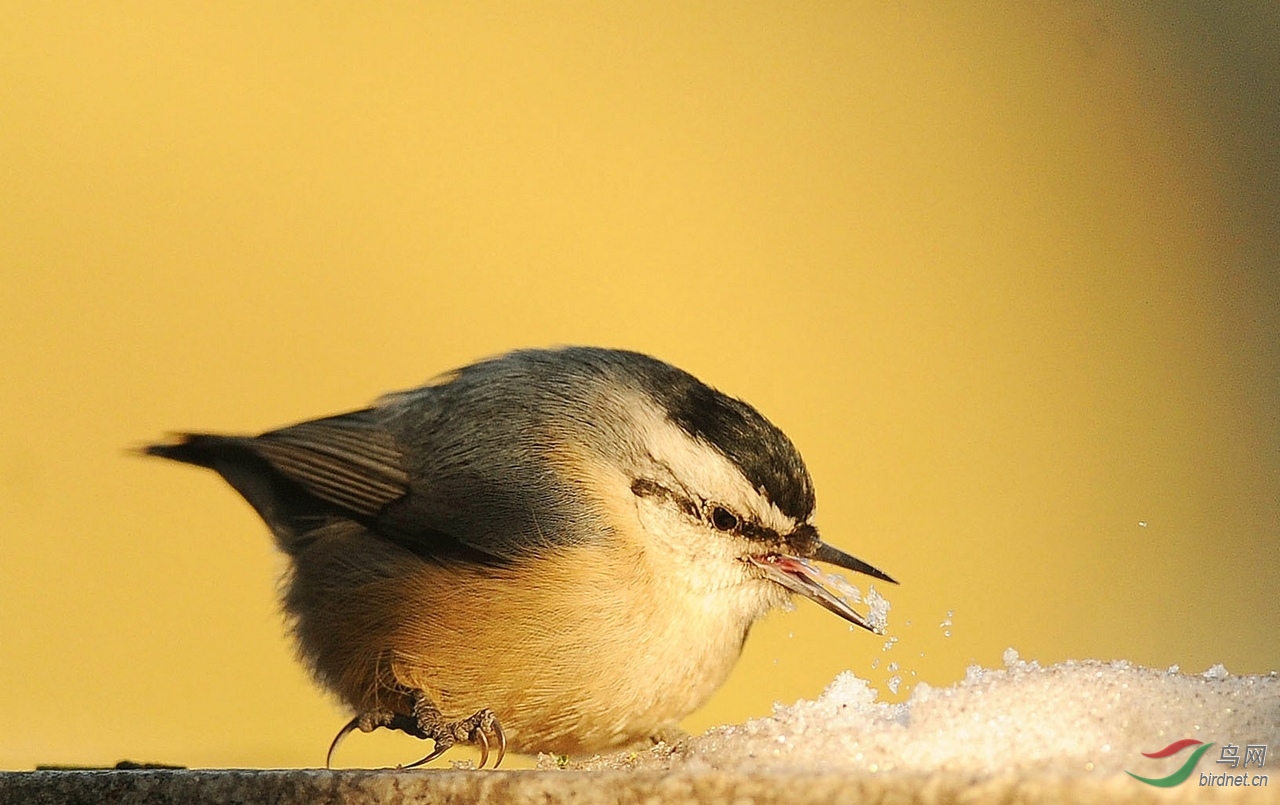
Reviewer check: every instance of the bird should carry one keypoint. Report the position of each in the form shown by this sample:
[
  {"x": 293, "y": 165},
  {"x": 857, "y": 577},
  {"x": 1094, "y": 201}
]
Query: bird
[{"x": 555, "y": 550}]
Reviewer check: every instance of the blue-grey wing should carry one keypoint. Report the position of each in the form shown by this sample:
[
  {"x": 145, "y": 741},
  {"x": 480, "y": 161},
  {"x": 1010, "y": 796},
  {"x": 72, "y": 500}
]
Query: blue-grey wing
[{"x": 409, "y": 480}]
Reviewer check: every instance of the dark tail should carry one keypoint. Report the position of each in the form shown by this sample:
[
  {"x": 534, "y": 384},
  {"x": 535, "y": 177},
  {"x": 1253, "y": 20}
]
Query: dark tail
[
  {"x": 282, "y": 504},
  {"x": 200, "y": 449}
]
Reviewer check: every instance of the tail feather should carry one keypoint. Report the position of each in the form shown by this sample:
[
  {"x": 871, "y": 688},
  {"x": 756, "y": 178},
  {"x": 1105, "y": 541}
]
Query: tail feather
[
  {"x": 287, "y": 509},
  {"x": 200, "y": 449}
]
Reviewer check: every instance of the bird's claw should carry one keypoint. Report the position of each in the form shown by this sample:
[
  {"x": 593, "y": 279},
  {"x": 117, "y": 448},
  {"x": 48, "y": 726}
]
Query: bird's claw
[
  {"x": 474, "y": 730},
  {"x": 427, "y": 723},
  {"x": 365, "y": 722}
]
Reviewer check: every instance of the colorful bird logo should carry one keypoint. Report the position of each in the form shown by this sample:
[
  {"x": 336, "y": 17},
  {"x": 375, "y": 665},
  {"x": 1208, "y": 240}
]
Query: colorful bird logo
[{"x": 1180, "y": 776}]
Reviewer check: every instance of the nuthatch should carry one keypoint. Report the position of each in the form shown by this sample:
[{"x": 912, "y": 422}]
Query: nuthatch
[{"x": 553, "y": 550}]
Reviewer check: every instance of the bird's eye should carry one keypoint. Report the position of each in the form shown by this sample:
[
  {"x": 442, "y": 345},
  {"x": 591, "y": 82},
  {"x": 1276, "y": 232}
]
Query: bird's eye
[{"x": 723, "y": 519}]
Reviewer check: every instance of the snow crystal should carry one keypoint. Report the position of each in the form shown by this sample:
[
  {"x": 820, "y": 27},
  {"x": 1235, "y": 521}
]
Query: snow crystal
[{"x": 1077, "y": 717}]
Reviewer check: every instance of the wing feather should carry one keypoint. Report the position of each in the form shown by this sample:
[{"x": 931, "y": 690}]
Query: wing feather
[{"x": 348, "y": 460}]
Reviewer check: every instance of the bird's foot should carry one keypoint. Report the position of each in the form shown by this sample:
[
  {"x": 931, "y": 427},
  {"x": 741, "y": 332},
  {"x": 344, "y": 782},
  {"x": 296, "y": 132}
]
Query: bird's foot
[
  {"x": 427, "y": 722},
  {"x": 480, "y": 729}
]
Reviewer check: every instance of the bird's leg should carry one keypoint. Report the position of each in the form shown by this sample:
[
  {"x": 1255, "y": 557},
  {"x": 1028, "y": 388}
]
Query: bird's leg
[{"x": 428, "y": 723}]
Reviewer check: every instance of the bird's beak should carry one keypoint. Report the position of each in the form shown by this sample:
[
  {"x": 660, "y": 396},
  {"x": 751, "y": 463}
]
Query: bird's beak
[{"x": 801, "y": 576}]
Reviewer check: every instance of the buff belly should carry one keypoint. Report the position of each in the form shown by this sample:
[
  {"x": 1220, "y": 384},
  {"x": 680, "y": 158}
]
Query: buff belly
[{"x": 584, "y": 653}]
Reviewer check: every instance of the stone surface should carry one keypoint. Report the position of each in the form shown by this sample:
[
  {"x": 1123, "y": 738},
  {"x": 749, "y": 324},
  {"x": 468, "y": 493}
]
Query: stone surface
[
  {"x": 152, "y": 787},
  {"x": 1023, "y": 733}
]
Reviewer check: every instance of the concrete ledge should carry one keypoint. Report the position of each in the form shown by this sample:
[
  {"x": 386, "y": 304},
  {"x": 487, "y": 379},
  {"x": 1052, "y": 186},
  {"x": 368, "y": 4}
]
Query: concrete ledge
[
  {"x": 388, "y": 787},
  {"x": 1024, "y": 734}
]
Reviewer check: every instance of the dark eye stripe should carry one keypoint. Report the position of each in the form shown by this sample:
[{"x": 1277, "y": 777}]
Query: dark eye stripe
[
  {"x": 750, "y": 530},
  {"x": 648, "y": 488},
  {"x": 718, "y": 516}
]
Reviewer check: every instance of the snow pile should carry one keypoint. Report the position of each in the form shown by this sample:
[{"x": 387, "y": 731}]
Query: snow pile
[{"x": 1079, "y": 717}]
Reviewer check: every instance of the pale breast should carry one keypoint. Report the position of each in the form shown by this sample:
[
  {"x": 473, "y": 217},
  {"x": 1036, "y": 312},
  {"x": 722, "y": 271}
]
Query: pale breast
[
  {"x": 583, "y": 651},
  {"x": 580, "y": 652}
]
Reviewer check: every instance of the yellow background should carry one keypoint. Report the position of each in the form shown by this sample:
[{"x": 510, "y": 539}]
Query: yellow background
[{"x": 1006, "y": 273}]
